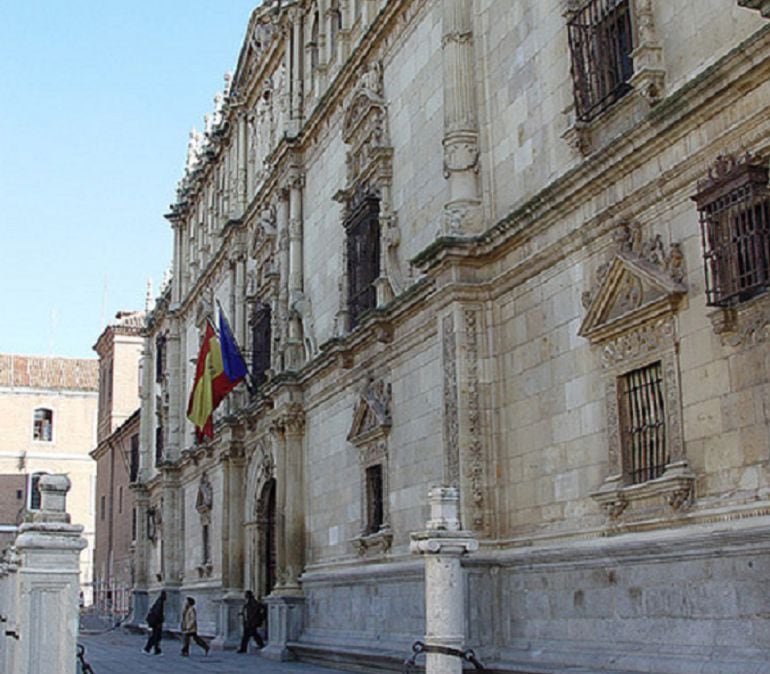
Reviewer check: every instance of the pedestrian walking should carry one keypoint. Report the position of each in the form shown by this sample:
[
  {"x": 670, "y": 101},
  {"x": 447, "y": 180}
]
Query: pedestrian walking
[
  {"x": 155, "y": 617},
  {"x": 190, "y": 628},
  {"x": 253, "y": 615}
]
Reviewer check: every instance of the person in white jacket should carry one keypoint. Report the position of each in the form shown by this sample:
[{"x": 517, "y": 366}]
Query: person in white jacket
[{"x": 190, "y": 628}]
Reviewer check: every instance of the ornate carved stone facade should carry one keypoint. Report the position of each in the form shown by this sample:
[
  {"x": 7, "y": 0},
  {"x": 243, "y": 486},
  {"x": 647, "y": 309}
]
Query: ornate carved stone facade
[{"x": 525, "y": 299}]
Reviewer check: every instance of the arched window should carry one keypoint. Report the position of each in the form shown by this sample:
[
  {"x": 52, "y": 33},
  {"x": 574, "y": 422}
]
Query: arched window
[{"x": 42, "y": 429}]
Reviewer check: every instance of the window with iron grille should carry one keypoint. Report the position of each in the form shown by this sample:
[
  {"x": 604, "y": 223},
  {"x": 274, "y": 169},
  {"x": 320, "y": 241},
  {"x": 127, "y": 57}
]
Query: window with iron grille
[
  {"x": 363, "y": 249},
  {"x": 643, "y": 424},
  {"x": 374, "y": 504},
  {"x": 600, "y": 42},
  {"x": 260, "y": 344},
  {"x": 734, "y": 207}
]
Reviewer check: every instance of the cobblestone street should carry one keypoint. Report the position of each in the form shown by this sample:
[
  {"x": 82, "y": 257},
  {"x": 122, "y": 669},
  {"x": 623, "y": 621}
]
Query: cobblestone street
[{"x": 120, "y": 652}]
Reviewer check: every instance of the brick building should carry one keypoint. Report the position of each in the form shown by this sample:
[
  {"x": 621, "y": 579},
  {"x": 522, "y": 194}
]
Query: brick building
[
  {"x": 47, "y": 425},
  {"x": 117, "y": 460}
]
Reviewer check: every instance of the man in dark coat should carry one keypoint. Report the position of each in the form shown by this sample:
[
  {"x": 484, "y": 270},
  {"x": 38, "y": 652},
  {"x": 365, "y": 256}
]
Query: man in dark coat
[
  {"x": 253, "y": 618},
  {"x": 155, "y": 619}
]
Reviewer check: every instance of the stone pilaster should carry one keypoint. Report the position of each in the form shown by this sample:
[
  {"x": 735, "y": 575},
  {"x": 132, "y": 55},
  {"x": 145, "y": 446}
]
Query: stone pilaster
[
  {"x": 295, "y": 339},
  {"x": 147, "y": 417},
  {"x": 280, "y": 358},
  {"x": 462, "y": 211},
  {"x": 140, "y": 604},
  {"x": 175, "y": 439},
  {"x": 442, "y": 545},
  {"x": 172, "y": 562},
  {"x": 48, "y": 585},
  {"x": 286, "y": 603},
  {"x": 233, "y": 468},
  {"x": 295, "y": 16},
  {"x": 242, "y": 166}
]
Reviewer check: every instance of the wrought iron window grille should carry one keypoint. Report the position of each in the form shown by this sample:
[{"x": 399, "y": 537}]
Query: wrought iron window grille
[
  {"x": 363, "y": 257},
  {"x": 734, "y": 208},
  {"x": 601, "y": 41}
]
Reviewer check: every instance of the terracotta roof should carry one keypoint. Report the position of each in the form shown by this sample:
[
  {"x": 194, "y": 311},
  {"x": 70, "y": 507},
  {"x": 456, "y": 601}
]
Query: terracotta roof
[{"x": 42, "y": 372}]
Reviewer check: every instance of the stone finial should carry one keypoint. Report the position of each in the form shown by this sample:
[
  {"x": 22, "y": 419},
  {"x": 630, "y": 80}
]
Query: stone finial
[
  {"x": 444, "y": 509},
  {"x": 53, "y": 498},
  {"x": 148, "y": 295}
]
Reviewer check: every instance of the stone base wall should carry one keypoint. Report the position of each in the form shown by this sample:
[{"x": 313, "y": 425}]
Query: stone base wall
[{"x": 669, "y": 602}]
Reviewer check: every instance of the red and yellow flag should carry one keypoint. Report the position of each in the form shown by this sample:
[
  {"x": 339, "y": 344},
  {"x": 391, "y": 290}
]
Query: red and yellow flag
[{"x": 211, "y": 384}]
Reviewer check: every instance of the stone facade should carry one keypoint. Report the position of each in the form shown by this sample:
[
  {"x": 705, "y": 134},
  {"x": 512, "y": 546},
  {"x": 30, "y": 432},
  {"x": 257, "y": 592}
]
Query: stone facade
[
  {"x": 444, "y": 271},
  {"x": 47, "y": 425}
]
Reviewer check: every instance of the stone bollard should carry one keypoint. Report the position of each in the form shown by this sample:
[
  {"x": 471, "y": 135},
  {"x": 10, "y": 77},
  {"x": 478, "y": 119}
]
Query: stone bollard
[
  {"x": 442, "y": 544},
  {"x": 48, "y": 585}
]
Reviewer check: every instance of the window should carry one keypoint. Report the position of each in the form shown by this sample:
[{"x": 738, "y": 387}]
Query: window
[
  {"x": 374, "y": 509},
  {"x": 158, "y": 445},
  {"x": 133, "y": 524},
  {"x": 363, "y": 253},
  {"x": 600, "y": 42},
  {"x": 43, "y": 425},
  {"x": 102, "y": 507},
  {"x": 133, "y": 468},
  {"x": 643, "y": 424},
  {"x": 206, "y": 544},
  {"x": 120, "y": 499},
  {"x": 260, "y": 344},
  {"x": 34, "y": 491},
  {"x": 160, "y": 358},
  {"x": 734, "y": 207}
]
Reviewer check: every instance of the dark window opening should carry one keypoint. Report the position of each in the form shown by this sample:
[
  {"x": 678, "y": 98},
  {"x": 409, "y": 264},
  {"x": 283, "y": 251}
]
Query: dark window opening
[
  {"x": 363, "y": 250},
  {"x": 133, "y": 524},
  {"x": 374, "y": 495},
  {"x": 267, "y": 533},
  {"x": 102, "y": 508},
  {"x": 643, "y": 424},
  {"x": 260, "y": 344},
  {"x": 43, "y": 425},
  {"x": 133, "y": 470},
  {"x": 160, "y": 357},
  {"x": 158, "y": 445},
  {"x": 600, "y": 42},
  {"x": 734, "y": 208}
]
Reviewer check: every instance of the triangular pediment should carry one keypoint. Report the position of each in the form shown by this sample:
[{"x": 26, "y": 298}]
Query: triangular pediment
[
  {"x": 631, "y": 291},
  {"x": 371, "y": 416}
]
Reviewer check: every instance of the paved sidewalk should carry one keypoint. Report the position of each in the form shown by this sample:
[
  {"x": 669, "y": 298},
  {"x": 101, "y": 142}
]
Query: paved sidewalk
[{"x": 119, "y": 652}]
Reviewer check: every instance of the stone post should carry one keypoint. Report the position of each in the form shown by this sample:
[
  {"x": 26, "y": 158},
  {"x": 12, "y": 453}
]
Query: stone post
[
  {"x": 48, "y": 585},
  {"x": 462, "y": 212},
  {"x": 443, "y": 544},
  {"x": 8, "y": 600}
]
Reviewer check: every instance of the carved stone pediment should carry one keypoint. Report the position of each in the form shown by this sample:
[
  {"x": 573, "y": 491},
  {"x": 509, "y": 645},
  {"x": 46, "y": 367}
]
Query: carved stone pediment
[
  {"x": 371, "y": 416},
  {"x": 640, "y": 283}
]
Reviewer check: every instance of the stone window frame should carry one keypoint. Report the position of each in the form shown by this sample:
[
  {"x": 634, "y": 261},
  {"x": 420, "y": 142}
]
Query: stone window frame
[
  {"x": 369, "y": 434},
  {"x": 631, "y": 319},
  {"x": 369, "y": 175},
  {"x": 647, "y": 81},
  {"x": 261, "y": 324},
  {"x": 362, "y": 233}
]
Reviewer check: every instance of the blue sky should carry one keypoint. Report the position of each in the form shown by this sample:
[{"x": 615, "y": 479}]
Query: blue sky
[{"x": 97, "y": 98}]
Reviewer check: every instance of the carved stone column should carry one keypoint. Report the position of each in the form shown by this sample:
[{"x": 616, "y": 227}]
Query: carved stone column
[
  {"x": 242, "y": 170},
  {"x": 295, "y": 344},
  {"x": 443, "y": 544},
  {"x": 280, "y": 358},
  {"x": 295, "y": 17},
  {"x": 462, "y": 212},
  {"x": 48, "y": 585},
  {"x": 139, "y": 591},
  {"x": 175, "y": 393},
  {"x": 172, "y": 551},
  {"x": 233, "y": 467},
  {"x": 147, "y": 417},
  {"x": 286, "y": 603},
  {"x": 465, "y": 460}
]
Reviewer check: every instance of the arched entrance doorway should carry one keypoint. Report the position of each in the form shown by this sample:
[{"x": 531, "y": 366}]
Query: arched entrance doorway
[{"x": 266, "y": 535}]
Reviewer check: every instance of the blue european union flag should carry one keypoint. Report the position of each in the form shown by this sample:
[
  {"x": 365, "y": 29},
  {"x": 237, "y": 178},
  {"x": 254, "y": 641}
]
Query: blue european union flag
[{"x": 235, "y": 367}]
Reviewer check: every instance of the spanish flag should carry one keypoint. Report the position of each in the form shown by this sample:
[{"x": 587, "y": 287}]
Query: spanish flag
[{"x": 211, "y": 384}]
